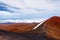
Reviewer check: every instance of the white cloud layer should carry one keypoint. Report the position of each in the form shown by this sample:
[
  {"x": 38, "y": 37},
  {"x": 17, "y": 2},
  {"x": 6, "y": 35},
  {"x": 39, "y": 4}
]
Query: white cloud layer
[
  {"x": 22, "y": 21},
  {"x": 41, "y": 4},
  {"x": 32, "y": 8}
]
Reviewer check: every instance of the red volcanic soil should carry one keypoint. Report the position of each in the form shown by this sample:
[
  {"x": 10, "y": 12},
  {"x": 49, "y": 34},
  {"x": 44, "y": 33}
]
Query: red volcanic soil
[
  {"x": 18, "y": 27},
  {"x": 52, "y": 27},
  {"x": 10, "y": 33},
  {"x": 49, "y": 30},
  {"x": 24, "y": 32}
]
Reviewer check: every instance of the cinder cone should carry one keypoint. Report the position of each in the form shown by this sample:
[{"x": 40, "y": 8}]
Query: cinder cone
[{"x": 52, "y": 27}]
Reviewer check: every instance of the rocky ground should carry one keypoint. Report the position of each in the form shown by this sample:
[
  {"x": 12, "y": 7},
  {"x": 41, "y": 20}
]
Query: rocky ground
[{"x": 4, "y": 35}]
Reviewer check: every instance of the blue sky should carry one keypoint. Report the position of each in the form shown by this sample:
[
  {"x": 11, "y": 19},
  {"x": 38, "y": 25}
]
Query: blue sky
[{"x": 29, "y": 9}]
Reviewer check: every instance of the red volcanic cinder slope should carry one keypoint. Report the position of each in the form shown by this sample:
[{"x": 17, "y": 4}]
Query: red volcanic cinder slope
[
  {"x": 18, "y": 27},
  {"x": 52, "y": 27}
]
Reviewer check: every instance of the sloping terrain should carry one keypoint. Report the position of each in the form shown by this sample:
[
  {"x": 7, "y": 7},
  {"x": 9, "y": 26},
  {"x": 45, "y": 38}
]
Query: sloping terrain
[
  {"x": 31, "y": 35},
  {"x": 49, "y": 30}
]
